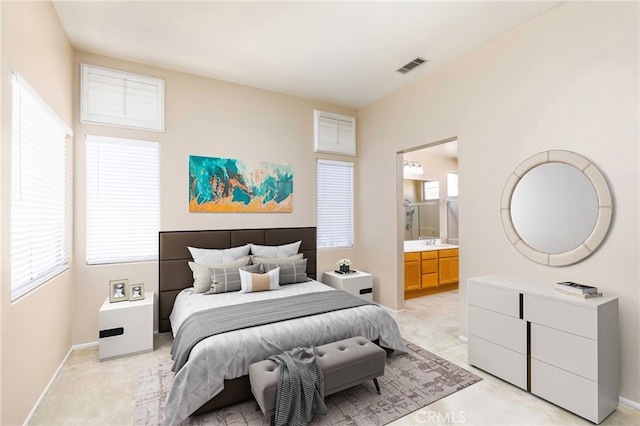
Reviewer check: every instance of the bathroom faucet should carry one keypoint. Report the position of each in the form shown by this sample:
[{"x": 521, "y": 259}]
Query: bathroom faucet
[{"x": 428, "y": 241}]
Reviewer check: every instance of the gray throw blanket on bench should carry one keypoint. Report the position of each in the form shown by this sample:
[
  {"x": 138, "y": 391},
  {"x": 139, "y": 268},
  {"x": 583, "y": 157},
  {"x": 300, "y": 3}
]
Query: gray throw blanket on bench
[
  {"x": 300, "y": 389},
  {"x": 202, "y": 324}
]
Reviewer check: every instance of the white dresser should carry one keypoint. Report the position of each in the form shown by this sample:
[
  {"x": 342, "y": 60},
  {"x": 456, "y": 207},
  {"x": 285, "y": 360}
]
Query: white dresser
[
  {"x": 559, "y": 347},
  {"x": 126, "y": 327},
  {"x": 358, "y": 283}
]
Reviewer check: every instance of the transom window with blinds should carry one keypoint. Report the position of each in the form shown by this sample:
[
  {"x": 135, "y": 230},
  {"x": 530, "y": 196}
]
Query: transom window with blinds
[
  {"x": 121, "y": 99},
  {"x": 40, "y": 191},
  {"x": 123, "y": 200},
  {"x": 334, "y": 194}
]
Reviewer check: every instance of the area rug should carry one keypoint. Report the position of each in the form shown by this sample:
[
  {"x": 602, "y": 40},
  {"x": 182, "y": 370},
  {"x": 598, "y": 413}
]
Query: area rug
[{"x": 411, "y": 381}]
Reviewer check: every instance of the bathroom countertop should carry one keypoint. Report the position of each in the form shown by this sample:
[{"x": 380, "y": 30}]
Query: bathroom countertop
[{"x": 419, "y": 245}]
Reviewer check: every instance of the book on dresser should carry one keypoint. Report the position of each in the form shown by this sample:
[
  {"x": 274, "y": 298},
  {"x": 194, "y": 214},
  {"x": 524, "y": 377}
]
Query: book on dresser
[
  {"x": 571, "y": 287},
  {"x": 579, "y": 295}
]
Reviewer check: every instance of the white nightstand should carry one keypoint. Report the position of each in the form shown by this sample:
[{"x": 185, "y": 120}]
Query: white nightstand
[
  {"x": 126, "y": 327},
  {"x": 358, "y": 283}
]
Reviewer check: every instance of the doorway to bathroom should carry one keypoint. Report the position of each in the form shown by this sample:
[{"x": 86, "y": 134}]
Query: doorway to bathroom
[{"x": 430, "y": 218}]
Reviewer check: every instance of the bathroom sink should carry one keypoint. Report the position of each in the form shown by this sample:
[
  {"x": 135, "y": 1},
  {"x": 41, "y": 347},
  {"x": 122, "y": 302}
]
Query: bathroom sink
[{"x": 419, "y": 245}]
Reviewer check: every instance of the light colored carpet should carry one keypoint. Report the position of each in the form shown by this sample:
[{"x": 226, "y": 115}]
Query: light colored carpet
[{"x": 411, "y": 381}]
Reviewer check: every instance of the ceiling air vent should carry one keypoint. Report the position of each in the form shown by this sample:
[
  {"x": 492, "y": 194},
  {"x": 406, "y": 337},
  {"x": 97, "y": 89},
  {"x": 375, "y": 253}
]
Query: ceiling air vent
[{"x": 411, "y": 65}]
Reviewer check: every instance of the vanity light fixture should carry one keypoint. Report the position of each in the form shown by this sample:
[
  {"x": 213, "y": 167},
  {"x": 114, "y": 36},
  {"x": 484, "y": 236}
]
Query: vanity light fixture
[{"x": 413, "y": 167}]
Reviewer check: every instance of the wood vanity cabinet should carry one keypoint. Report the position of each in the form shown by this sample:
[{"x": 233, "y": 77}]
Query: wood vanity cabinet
[
  {"x": 430, "y": 271},
  {"x": 448, "y": 266},
  {"x": 412, "y": 271}
]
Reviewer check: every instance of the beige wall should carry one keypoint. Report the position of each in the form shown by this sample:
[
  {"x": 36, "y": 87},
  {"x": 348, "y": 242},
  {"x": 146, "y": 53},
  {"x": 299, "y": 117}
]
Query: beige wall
[
  {"x": 209, "y": 118},
  {"x": 568, "y": 80},
  {"x": 36, "y": 328}
]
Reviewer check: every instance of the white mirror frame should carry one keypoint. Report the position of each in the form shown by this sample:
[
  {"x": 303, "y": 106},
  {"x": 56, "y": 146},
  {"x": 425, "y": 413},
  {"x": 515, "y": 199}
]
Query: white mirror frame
[{"x": 605, "y": 208}]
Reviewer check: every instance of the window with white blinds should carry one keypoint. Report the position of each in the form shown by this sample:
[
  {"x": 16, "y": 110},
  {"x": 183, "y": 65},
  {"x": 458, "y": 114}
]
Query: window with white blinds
[
  {"x": 123, "y": 200},
  {"x": 334, "y": 204},
  {"x": 122, "y": 99},
  {"x": 40, "y": 191}
]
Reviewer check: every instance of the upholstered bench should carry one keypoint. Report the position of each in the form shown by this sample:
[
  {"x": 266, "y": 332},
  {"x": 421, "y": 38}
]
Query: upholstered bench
[{"x": 344, "y": 364}]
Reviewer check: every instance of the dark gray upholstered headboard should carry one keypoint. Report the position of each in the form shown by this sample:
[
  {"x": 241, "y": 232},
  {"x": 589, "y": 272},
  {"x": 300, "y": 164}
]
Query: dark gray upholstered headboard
[{"x": 175, "y": 274}]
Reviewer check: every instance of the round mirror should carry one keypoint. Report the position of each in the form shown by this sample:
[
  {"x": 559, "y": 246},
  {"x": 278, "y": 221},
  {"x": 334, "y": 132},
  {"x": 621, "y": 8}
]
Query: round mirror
[{"x": 556, "y": 208}]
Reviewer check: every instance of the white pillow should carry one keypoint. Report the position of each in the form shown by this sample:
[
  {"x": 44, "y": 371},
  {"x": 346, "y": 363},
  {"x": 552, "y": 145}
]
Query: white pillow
[
  {"x": 202, "y": 273},
  {"x": 285, "y": 250},
  {"x": 211, "y": 256},
  {"x": 259, "y": 282}
]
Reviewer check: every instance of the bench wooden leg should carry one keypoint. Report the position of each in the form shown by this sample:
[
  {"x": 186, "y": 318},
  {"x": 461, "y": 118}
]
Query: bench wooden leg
[
  {"x": 375, "y": 382},
  {"x": 273, "y": 420}
]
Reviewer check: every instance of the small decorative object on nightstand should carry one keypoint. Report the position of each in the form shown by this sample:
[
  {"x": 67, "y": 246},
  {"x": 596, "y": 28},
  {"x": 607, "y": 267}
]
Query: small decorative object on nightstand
[
  {"x": 118, "y": 290},
  {"x": 126, "y": 328},
  {"x": 136, "y": 292},
  {"x": 345, "y": 265},
  {"x": 357, "y": 282}
]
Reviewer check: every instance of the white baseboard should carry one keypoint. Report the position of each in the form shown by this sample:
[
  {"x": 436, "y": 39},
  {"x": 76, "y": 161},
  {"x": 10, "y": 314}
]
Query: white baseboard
[
  {"x": 46, "y": 389},
  {"x": 630, "y": 403},
  {"x": 463, "y": 338},
  {"x": 85, "y": 345},
  {"x": 391, "y": 310}
]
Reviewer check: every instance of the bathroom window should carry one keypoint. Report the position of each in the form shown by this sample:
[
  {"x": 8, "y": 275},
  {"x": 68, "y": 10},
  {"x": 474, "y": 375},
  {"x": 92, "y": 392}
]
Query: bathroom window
[
  {"x": 452, "y": 184},
  {"x": 430, "y": 190}
]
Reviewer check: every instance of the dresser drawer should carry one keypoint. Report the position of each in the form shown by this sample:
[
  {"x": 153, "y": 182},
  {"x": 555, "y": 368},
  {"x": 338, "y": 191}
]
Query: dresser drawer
[
  {"x": 495, "y": 299},
  {"x": 133, "y": 340},
  {"x": 499, "y": 361},
  {"x": 568, "y": 390},
  {"x": 408, "y": 257},
  {"x": 430, "y": 266},
  {"x": 498, "y": 328},
  {"x": 449, "y": 253},
  {"x": 569, "y": 317},
  {"x": 131, "y": 315},
  {"x": 431, "y": 254},
  {"x": 569, "y": 352},
  {"x": 429, "y": 280}
]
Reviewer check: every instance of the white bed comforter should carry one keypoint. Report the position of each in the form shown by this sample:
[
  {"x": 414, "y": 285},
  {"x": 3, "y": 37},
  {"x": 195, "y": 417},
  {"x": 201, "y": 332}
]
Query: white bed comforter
[{"x": 228, "y": 355}]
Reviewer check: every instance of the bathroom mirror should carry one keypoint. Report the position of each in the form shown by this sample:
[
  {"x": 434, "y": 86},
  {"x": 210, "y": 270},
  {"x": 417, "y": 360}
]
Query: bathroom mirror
[{"x": 556, "y": 208}]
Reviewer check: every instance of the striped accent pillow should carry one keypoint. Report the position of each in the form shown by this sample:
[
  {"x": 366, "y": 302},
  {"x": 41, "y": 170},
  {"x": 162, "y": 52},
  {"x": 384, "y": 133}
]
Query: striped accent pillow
[
  {"x": 290, "y": 273},
  {"x": 276, "y": 251},
  {"x": 211, "y": 256},
  {"x": 228, "y": 279},
  {"x": 259, "y": 282},
  {"x": 202, "y": 273}
]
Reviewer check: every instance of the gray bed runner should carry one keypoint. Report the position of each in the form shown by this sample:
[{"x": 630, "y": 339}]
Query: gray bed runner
[{"x": 202, "y": 324}]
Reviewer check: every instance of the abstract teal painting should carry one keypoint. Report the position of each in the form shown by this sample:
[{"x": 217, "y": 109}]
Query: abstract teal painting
[{"x": 229, "y": 185}]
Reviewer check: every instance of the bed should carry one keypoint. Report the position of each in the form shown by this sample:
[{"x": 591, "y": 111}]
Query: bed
[{"x": 215, "y": 374}]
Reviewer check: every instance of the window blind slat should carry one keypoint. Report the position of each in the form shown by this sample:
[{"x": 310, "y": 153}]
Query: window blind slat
[
  {"x": 334, "y": 204},
  {"x": 40, "y": 209},
  {"x": 123, "y": 206}
]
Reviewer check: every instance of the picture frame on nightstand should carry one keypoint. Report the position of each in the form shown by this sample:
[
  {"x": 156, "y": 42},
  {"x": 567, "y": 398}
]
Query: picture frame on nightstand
[
  {"x": 136, "y": 292},
  {"x": 118, "y": 290}
]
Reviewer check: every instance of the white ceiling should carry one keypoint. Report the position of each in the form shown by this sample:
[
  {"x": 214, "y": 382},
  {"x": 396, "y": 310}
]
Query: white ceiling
[{"x": 344, "y": 53}]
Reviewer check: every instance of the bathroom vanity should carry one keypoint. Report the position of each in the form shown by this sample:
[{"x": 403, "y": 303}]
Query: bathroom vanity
[{"x": 429, "y": 269}]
